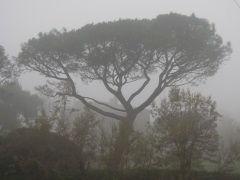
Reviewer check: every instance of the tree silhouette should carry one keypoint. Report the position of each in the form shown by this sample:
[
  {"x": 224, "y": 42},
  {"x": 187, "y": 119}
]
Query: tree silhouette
[{"x": 178, "y": 49}]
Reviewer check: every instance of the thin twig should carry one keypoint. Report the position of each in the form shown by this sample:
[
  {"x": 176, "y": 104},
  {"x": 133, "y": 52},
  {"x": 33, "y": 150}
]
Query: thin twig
[{"x": 237, "y": 3}]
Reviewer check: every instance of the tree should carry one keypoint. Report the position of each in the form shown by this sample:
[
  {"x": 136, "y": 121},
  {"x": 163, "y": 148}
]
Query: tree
[
  {"x": 61, "y": 115},
  {"x": 228, "y": 158},
  {"x": 15, "y": 101},
  {"x": 53, "y": 117},
  {"x": 143, "y": 153},
  {"x": 228, "y": 155},
  {"x": 185, "y": 127},
  {"x": 114, "y": 144},
  {"x": 84, "y": 134},
  {"x": 175, "y": 48},
  {"x": 40, "y": 154},
  {"x": 42, "y": 122},
  {"x": 7, "y": 70}
]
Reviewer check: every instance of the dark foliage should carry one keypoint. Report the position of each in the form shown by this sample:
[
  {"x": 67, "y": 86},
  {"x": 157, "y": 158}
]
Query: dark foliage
[
  {"x": 7, "y": 69},
  {"x": 39, "y": 153},
  {"x": 15, "y": 101}
]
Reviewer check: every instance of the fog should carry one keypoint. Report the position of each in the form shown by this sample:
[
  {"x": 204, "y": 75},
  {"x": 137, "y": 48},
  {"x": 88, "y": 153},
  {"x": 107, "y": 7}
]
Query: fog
[{"x": 21, "y": 20}]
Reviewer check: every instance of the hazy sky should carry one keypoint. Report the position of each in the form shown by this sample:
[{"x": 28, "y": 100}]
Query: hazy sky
[{"x": 24, "y": 19}]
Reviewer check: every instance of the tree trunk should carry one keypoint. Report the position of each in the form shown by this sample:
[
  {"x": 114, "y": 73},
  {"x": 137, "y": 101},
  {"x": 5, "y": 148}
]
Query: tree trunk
[
  {"x": 122, "y": 143},
  {"x": 184, "y": 170}
]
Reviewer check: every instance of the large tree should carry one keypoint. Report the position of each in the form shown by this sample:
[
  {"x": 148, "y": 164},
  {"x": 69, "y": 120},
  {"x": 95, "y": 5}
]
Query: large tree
[
  {"x": 180, "y": 49},
  {"x": 177, "y": 49}
]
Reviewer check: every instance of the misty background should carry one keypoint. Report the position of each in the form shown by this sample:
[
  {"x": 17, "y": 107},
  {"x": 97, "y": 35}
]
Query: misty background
[{"x": 22, "y": 20}]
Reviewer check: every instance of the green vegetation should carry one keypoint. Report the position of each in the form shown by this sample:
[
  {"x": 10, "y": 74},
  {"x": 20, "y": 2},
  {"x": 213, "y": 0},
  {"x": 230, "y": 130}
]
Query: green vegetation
[{"x": 182, "y": 143}]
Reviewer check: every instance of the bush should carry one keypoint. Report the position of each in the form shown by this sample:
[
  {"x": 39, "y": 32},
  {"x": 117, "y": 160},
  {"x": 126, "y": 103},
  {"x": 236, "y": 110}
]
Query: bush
[{"x": 39, "y": 153}]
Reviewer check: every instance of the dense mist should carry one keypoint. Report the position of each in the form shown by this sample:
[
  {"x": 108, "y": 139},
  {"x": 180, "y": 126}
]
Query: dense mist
[
  {"x": 22, "y": 20},
  {"x": 120, "y": 89}
]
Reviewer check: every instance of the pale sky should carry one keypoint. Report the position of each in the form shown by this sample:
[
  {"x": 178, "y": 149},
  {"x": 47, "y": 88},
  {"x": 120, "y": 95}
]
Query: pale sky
[{"x": 24, "y": 19}]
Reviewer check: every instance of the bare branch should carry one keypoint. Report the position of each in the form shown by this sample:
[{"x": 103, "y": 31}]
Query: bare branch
[{"x": 104, "y": 104}]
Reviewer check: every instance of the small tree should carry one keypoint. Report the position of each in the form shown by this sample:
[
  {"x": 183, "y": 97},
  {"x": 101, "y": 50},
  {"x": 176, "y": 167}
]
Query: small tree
[
  {"x": 61, "y": 114},
  {"x": 84, "y": 134},
  {"x": 143, "y": 153},
  {"x": 54, "y": 118},
  {"x": 43, "y": 122},
  {"x": 228, "y": 157},
  {"x": 185, "y": 127}
]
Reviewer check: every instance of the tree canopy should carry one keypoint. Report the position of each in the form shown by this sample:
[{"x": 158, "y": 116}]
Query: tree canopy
[
  {"x": 178, "y": 49},
  {"x": 15, "y": 101},
  {"x": 6, "y": 67}
]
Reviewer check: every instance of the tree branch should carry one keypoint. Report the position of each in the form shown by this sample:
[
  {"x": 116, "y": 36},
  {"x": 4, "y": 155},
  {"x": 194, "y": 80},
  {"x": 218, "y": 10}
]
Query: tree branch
[
  {"x": 141, "y": 88},
  {"x": 121, "y": 110}
]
